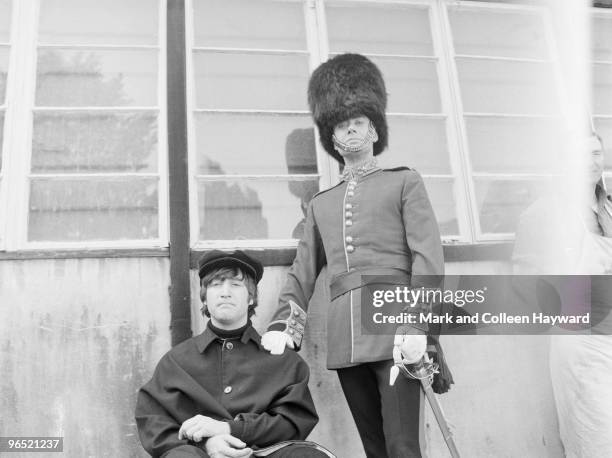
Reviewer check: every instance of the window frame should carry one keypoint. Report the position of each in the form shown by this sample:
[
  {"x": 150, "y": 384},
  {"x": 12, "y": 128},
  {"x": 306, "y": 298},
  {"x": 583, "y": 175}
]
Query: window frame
[
  {"x": 20, "y": 126},
  {"x": 325, "y": 166}
]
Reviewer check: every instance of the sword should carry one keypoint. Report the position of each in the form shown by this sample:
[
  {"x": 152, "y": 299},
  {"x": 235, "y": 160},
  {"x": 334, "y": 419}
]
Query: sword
[{"x": 424, "y": 371}]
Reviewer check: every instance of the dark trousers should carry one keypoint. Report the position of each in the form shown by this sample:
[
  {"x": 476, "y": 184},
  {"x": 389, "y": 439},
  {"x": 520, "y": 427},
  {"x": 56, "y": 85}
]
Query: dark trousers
[{"x": 387, "y": 417}]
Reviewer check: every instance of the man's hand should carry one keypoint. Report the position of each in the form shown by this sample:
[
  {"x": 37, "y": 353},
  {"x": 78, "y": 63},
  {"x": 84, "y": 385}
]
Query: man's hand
[
  {"x": 199, "y": 427},
  {"x": 409, "y": 345},
  {"x": 226, "y": 446},
  {"x": 276, "y": 341}
]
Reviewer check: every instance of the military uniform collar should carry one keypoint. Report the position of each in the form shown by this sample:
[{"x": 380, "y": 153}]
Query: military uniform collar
[
  {"x": 350, "y": 173},
  {"x": 208, "y": 336}
]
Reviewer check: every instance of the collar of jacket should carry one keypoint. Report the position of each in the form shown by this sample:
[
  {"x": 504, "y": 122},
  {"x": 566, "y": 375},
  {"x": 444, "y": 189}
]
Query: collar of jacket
[
  {"x": 350, "y": 173},
  {"x": 208, "y": 336}
]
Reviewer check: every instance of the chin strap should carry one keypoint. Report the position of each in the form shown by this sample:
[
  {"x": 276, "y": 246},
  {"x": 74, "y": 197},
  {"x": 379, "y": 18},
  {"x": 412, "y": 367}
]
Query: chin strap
[{"x": 371, "y": 136}]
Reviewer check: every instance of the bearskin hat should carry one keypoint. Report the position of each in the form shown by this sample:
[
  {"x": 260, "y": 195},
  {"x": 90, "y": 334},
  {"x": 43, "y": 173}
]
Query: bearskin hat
[{"x": 344, "y": 87}]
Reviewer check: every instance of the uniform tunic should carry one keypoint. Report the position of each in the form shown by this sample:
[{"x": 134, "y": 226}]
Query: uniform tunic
[
  {"x": 380, "y": 223},
  {"x": 264, "y": 398}
]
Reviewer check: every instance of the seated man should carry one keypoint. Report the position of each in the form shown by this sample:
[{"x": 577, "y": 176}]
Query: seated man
[{"x": 220, "y": 394}]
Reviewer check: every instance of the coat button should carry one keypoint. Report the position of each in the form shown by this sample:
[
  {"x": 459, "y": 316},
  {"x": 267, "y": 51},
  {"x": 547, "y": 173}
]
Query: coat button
[
  {"x": 291, "y": 331},
  {"x": 350, "y": 193},
  {"x": 227, "y": 390},
  {"x": 293, "y": 321},
  {"x": 229, "y": 345},
  {"x": 350, "y": 248},
  {"x": 348, "y": 214},
  {"x": 348, "y": 206},
  {"x": 348, "y": 222},
  {"x": 349, "y": 239},
  {"x": 296, "y": 313},
  {"x": 353, "y": 182}
]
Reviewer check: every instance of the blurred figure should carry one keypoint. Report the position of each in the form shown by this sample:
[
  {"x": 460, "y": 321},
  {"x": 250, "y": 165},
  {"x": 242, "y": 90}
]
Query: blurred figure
[{"x": 556, "y": 237}]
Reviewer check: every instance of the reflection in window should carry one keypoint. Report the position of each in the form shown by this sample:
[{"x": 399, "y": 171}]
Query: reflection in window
[
  {"x": 96, "y": 78},
  {"x": 67, "y": 141},
  {"x": 252, "y": 209},
  {"x": 93, "y": 209}
]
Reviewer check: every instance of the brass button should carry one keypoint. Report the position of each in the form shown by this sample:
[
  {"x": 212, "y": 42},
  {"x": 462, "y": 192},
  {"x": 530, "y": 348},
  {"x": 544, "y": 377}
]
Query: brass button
[
  {"x": 229, "y": 345},
  {"x": 350, "y": 193},
  {"x": 353, "y": 182},
  {"x": 227, "y": 390},
  {"x": 293, "y": 321},
  {"x": 350, "y": 248},
  {"x": 349, "y": 239},
  {"x": 348, "y": 222},
  {"x": 296, "y": 313},
  {"x": 348, "y": 214},
  {"x": 348, "y": 206},
  {"x": 291, "y": 331}
]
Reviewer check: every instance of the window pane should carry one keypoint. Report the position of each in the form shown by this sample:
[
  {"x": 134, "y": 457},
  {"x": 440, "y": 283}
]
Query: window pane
[
  {"x": 506, "y": 87},
  {"x": 604, "y": 129},
  {"x": 602, "y": 38},
  {"x": 94, "y": 142},
  {"x": 389, "y": 29},
  {"x": 412, "y": 85},
  {"x": 514, "y": 145},
  {"x": 253, "y": 209},
  {"x": 248, "y": 81},
  {"x": 96, "y": 78},
  {"x": 500, "y": 33},
  {"x": 442, "y": 197},
  {"x": 417, "y": 143},
  {"x": 93, "y": 209},
  {"x": 254, "y": 144},
  {"x": 501, "y": 202},
  {"x": 132, "y": 22},
  {"x": 241, "y": 24},
  {"x": 602, "y": 96},
  {"x": 5, "y": 21},
  {"x": 4, "y": 57},
  {"x": 1, "y": 136}
]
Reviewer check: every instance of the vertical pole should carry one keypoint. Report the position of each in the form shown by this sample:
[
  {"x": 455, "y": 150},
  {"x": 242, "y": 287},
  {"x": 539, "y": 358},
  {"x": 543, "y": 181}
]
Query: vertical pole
[{"x": 180, "y": 300}]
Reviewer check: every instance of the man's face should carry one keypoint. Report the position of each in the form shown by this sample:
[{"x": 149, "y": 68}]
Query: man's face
[
  {"x": 227, "y": 300},
  {"x": 353, "y": 131},
  {"x": 596, "y": 164}
]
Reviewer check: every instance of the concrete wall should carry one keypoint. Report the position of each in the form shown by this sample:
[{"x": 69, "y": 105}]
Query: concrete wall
[{"x": 79, "y": 337}]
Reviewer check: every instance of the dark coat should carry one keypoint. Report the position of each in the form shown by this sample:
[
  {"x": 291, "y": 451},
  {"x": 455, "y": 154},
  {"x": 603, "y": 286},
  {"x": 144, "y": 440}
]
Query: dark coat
[{"x": 264, "y": 398}]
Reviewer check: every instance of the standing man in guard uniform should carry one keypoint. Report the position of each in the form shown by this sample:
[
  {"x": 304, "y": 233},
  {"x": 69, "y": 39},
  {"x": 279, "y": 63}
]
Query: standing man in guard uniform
[{"x": 375, "y": 222}]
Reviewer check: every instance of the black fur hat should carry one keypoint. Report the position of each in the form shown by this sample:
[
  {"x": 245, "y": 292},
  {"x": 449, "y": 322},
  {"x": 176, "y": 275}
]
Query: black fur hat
[{"x": 344, "y": 87}]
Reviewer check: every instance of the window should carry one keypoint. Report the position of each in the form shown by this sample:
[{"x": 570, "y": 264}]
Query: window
[
  {"x": 5, "y": 48},
  {"x": 475, "y": 105},
  {"x": 253, "y": 156},
  {"x": 91, "y": 172},
  {"x": 602, "y": 84},
  {"x": 509, "y": 109}
]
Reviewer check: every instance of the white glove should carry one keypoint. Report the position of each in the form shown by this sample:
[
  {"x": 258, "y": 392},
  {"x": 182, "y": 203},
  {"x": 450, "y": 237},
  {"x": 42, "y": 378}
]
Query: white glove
[
  {"x": 409, "y": 348},
  {"x": 276, "y": 342}
]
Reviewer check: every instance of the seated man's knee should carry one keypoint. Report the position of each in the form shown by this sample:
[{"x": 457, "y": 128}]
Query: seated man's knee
[{"x": 185, "y": 451}]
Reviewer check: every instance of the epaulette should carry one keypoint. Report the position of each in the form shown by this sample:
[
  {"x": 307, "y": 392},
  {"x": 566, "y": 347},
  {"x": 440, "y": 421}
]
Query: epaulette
[
  {"x": 328, "y": 189},
  {"x": 397, "y": 169}
]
